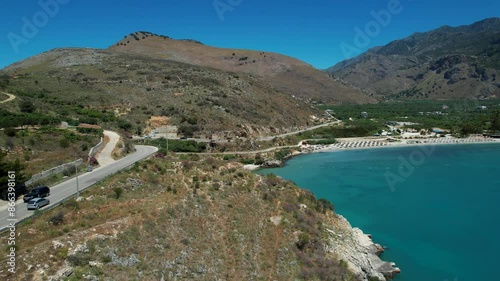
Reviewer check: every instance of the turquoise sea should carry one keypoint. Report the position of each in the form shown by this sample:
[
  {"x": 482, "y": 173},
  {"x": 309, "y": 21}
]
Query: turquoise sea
[{"x": 440, "y": 219}]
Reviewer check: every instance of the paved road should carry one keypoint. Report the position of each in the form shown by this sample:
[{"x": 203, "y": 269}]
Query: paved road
[
  {"x": 268, "y": 138},
  {"x": 105, "y": 157},
  {"x": 68, "y": 188},
  {"x": 10, "y": 98},
  {"x": 249, "y": 152},
  {"x": 264, "y": 138}
]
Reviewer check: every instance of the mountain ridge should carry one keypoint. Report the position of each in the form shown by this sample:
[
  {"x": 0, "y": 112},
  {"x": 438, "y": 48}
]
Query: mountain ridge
[
  {"x": 283, "y": 72},
  {"x": 453, "y": 58}
]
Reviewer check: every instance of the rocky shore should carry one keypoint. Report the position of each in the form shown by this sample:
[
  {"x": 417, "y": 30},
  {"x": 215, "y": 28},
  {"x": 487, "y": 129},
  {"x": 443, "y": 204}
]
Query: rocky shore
[
  {"x": 359, "y": 251},
  {"x": 350, "y": 244}
]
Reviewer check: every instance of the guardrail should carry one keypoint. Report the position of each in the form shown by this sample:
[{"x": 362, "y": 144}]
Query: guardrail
[
  {"x": 58, "y": 203},
  {"x": 93, "y": 151}
]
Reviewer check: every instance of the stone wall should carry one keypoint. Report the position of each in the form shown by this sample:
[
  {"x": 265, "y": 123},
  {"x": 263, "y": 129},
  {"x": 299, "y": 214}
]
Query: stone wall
[
  {"x": 54, "y": 171},
  {"x": 93, "y": 151}
]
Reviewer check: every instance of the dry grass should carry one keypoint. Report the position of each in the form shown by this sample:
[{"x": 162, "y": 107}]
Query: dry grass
[
  {"x": 100, "y": 81},
  {"x": 41, "y": 150},
  {"x": 206, "y": 221},
  {"x": 286, "y": 74}
]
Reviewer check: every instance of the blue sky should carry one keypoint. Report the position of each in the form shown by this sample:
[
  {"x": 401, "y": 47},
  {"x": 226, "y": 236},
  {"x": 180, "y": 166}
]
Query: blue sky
[{"x": 315, "y": 31}]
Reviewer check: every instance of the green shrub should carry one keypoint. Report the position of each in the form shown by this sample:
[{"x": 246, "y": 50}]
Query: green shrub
[
  {"x": 27, "y": 106},
  {"x": 247, "y": 161},
  {"x": 303, "y": 241},
  {"x": 281, "y": 154},
  {"x": 84, "y": 147},
  {"x": 118, "y": 192},
  {"x": 57, "y": 219},
  {"x": 10, "y": 132},
  {"x": 322, "y": 205},
  {"x": 125, "y": 125},
  {"x": 228, "y": 157},
  {"x": 79, "y": 259},
  {"x": 71, "y": 204},
  {"x": 64, "y": 143}
]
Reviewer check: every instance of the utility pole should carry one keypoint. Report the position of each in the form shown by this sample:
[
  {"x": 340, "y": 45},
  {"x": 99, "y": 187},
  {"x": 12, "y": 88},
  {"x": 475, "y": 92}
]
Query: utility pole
[{"x": 77, "y": 187}]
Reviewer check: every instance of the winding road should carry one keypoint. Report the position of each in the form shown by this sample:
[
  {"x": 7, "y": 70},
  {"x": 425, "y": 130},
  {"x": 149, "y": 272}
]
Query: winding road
[
  {"x": 105, "y": 157},
  {"x": 108, "y": 167},
  {"x": 62, "y": 191},
  {"x": 11, "y": 97}
]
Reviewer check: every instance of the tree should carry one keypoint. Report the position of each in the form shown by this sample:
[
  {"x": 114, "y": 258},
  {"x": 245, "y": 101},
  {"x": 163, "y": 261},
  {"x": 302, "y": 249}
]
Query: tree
[
  {"x": 495, "y": 121},
  {"x": 470, "y": 128},
  {"x": 4, "y": 81},
  {"x": 125, "y": 125},
  {"x": 11, "y": 166},
  {"x": 188, "y": 130},
  {"x": 138, "y": 130},
  {"x": 27, "y": 106}
]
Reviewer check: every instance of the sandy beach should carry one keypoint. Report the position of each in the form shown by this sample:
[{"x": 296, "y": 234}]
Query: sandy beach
[
  {"x": 367, "y": 143},
  {"x": 378, "y": 142}
]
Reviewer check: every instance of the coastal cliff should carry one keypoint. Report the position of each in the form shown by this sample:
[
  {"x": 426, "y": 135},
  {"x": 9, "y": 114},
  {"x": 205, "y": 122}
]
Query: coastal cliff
[
  {"x": 359, "y": 251},
  {"x": 194, "y": 218}
]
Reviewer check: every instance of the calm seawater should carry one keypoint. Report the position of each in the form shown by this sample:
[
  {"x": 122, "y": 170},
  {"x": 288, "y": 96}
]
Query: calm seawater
[{"x": 439, "y": 213}]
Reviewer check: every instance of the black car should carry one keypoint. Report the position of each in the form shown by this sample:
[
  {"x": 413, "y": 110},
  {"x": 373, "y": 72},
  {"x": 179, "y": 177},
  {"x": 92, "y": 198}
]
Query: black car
[{"x": 38, "y": 192}]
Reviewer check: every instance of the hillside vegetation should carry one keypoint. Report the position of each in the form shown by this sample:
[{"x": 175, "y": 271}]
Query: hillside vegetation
[
  {"x": 186, "y": 218},
  {"x": 121, "y": 90}
]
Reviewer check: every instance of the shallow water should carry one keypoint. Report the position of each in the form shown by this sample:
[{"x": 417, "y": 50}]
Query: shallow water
[{"x": 438, "y": 214}]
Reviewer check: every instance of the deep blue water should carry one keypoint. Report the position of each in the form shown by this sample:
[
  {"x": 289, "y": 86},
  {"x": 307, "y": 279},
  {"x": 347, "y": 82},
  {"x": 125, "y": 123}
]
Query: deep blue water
[{"x": 440, "y": 222}]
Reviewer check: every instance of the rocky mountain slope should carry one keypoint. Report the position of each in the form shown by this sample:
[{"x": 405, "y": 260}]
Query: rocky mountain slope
[
  {"x": 283, "y": 73},
  {"x": 446, "y": 63},
  {"x": 109, "y": 86}
]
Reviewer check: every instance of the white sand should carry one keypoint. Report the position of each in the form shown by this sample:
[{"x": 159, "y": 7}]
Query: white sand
[{"x": 251, "y": 167}]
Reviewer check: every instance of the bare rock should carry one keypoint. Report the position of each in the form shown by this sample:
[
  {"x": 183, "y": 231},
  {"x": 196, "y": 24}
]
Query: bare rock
[
  {"x": 95, "y": 264},
  {"x": 80, "y": 248},
  {"x": 276, "y": 220},
  {"x": 359, "y": 251},
  {"x": 272, "y": 164},
  {"x": 57, "y": 244},
  {"x": 134, "y": 183}
]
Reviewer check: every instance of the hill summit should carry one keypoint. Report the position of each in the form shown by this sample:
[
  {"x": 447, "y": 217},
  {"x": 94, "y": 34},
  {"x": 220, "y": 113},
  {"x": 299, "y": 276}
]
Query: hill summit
[{"x": 284, "y": 73}]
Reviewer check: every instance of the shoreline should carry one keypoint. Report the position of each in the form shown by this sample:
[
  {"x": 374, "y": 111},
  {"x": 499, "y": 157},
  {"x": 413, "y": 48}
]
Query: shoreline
[
  {"x": 411, "y": 143},
  {"x": 402, "y": 143},
  {"x": 362, "y": 253},
  {"x": 381, "y": 144}
]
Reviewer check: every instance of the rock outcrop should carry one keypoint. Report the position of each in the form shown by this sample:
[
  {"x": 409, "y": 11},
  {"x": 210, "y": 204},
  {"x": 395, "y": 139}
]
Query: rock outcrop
[{"x": 359, "y": 252}]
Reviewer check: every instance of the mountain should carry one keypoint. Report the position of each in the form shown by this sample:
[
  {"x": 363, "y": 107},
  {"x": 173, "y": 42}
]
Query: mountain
[
  {"x": 201, "y": 89},
  {"x": 283, "y": 73},
  {"x": 446, "y": 63},
  {"x": 102, "y": 86}
]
